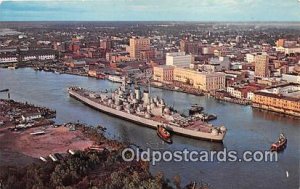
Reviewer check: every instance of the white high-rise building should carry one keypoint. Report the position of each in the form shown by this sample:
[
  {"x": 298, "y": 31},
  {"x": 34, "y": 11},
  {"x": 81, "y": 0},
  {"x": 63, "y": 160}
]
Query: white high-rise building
[
  {"x": 178, "y": 59},
  {"x": 250, "y": 57}
]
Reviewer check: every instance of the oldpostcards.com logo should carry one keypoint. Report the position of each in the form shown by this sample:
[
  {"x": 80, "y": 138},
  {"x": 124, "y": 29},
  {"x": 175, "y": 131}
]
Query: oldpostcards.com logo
[{"x": 155, "y": 156}]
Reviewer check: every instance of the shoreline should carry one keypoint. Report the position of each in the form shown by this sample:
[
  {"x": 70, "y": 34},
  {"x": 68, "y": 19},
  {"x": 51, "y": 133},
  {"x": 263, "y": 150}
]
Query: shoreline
[{"x": 201, "y": 93}]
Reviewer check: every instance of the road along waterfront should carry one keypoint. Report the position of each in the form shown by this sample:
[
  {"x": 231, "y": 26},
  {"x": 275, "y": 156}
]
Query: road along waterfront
[{"x": 248, "y": 129}]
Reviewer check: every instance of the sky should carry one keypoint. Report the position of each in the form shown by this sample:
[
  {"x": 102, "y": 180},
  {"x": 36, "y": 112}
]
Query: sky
[{"x": 150, "y": 10}]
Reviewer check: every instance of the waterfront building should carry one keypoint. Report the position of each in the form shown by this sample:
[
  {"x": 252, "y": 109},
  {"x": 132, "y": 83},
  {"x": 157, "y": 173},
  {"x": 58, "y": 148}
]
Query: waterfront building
[
  {"x": 284, "y": 99},
  {"x": 8, "y": 58},
  {"x": 178, "y": 59},
  {"x": 46, "y": 57},
  {"x": 44, "y": 54},
  {"x": 163, "y": 73},
  {"x": 243, "y": 92},
  {"x": 262, "y": 66},
  {"x": 201, "y": 80},
  {"x": 137, "y": 45},
  {"x": 235, "y": 92},
  {"x": 96, "y": 73},
  {"x": 75, "y": 63}
]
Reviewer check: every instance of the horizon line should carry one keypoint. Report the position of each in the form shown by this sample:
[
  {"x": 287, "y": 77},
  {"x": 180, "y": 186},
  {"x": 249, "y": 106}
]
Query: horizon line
[{"x": 149, "y": 21}]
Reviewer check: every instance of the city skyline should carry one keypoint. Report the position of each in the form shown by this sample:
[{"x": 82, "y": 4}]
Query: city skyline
[{"x": 155, "y": 10}]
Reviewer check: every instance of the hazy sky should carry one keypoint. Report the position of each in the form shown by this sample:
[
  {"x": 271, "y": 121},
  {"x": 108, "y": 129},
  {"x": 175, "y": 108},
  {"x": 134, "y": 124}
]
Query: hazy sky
[{"x": 153, "y": 10}]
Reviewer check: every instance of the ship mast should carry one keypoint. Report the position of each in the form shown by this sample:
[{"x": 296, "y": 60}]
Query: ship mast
[{"x": 149, "y": 85}]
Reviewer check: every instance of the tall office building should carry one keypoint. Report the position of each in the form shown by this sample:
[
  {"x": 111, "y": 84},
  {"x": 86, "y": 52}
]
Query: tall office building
[
  {"x": 280, "y": 42},
  {"x": 189, "y": 47},
  {"x": 262, "y": 66},
  {"x": 137, "y": 45},
  {"x": 106, "y": 44},
  {"x": 178, "y": 59}
]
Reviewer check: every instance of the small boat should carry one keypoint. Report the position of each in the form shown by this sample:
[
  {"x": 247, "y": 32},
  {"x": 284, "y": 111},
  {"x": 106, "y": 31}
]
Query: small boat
[
  {"x": 280, "y": 144},
  {"x": 12, "y": 67},
  {"x": 164, "y": 134},
  {"x": 115, "y": 78},
  {"x": 195, "y": 109}
]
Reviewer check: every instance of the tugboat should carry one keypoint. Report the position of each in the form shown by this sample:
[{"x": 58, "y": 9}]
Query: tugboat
[
  {"x": 164, "y": 134},
  {"x": 280, "y": 144}
]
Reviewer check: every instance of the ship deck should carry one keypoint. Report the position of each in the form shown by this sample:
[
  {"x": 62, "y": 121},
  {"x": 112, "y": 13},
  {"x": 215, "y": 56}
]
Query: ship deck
[{"x": 197, "y": 125}]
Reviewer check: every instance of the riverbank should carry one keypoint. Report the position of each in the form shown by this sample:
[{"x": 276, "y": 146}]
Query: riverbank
[
  {"x": 19, "y": 115},
  {"x": 71, "y": 155}
]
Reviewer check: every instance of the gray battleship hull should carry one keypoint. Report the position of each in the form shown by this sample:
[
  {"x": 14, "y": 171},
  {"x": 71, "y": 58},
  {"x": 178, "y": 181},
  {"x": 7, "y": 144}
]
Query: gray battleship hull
[{"x": 147, "y": 122}]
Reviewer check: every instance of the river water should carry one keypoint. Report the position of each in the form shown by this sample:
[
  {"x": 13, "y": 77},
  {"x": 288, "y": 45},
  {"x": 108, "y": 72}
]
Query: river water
[{"x": 248, "y": 129}]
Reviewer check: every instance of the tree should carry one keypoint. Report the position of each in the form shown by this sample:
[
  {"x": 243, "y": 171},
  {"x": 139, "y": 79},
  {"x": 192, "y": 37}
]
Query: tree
[{"x": 177, "y": 181}]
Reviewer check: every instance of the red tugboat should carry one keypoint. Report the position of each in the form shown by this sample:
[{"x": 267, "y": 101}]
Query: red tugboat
[
  {"x": 280, "y": 144},
  {"x": 164, "y": 134}
]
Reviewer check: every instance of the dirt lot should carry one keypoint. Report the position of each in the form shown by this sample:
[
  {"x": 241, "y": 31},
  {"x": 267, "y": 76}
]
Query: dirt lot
[{"x": 55, "y": 140}]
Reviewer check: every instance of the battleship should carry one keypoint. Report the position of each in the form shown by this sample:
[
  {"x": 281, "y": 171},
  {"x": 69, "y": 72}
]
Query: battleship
[{"x": 129, "y": 104}]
